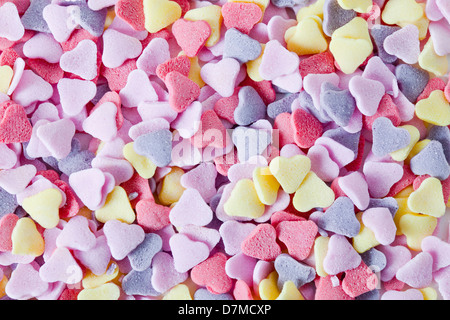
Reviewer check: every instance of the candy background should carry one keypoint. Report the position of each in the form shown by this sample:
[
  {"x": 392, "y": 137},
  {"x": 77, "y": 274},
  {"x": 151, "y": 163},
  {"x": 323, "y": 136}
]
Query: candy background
[{"x": 224, "y": 150}]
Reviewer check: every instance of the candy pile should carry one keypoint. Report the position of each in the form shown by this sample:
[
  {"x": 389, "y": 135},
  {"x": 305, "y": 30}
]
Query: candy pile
[{"x": 218, "y": 150}]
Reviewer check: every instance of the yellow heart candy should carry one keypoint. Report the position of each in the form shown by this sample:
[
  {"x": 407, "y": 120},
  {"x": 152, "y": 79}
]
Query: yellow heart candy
[
  {"x": 320, "y": 251},
  {"x": 416, "y": 227},
  {"x": 361, "y": 6},
  {"x": 43, "y": 207},
  {"x": 365, "y": 239},
  {"x": 396, "y": 11},
  {"x": 143, "y": 165},
  {"x": 211, "y": 14},
  {"x": 307, "y": 37},
  {"x": 6, "y": 75},
  {"x": 430, "y": 61},
  {"x": 171, "y": 188},
  {"x": 26, "y": 239},
  {"x": 422, "y": 23},
  {"x": 117, "y": 206},
  {"x": 268, "y": 288},
  {"x": 315, "y": 9},
  {"x": 428, "y": 198},
  {"x": 403, "y": 153},
  {"x": 429, "y": 293},
  {"x": 401, "y": 211},
  {"x": 290, "y": 172},
  {"x": 244, "y": 201},
  {"x": 107, "y": 291},
  {"x": 266, "y": 185},
  {"x": 253, "y": 66},
  {"x": 312, "y": 193},
  {"x": 351, "y": 45},
  {"x": 290, "y": 292},
  {"x": 92, "y": 280},
  {"x": 160, "y": 14},
  {"x": 179, "y": 292}
]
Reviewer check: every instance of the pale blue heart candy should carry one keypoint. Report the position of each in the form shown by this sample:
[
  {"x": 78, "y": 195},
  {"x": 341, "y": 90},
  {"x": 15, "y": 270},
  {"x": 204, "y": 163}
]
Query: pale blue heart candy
[
  {"x": 251, "y": 107},
  {"x": 338, "y": 104},
  {"x": 32, "y": 19},
  {"x": 281, "y": 105},
  {"x": 155, "y": 145},
  {"x": 340, "y": 218},
  {"x": 141, "y": 257},
  {"x": 387, "y": 138},
  {"x": 139, "y": 283},
  {"x": 289, "y": 269},
  {"x": 240, "y": 46},
  {"x": 431, "y": 160},
  {"x": 411, "y": 80}
]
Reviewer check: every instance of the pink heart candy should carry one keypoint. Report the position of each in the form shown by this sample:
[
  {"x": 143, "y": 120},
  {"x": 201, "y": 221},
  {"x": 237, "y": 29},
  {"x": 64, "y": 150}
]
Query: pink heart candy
[
  {"x": 25, "y": 282},
  {"x": 61, "y": 266},
  {"x": 16, "y": 180},
  {"x": 137, "y": 90},
  {"x": 396, "y": 257},
  {"x": 241, "y": 267},
  {"x": 87, "y": 185},
  {"x": 367, "y": 93},
  {"x": 186, "y": 252},
  {"x": 31, "y": 88},
  {"x": 156, "y": 52},
  {"x": 340, "y": 154},
  {"x": 439, "y": 33},
  {"x": 165, "y": 276},
  {"x": 438, "y": 249},
  {"x": 341, "y": 256},
  {"x": 119, "y": 47},
  {"x": 380, "y": 177},
  {"x": 120, "y": 169},
  {"x": 11, "y": 27},
  {"x": 321, "y": 163},
  {"x": 404, "y": 44},
  {"x": 355, "y": 187},
  {"x": 233, "y": 233},
  {"x": 122, "y": 238},
  {"x": 60, "y": 20},
  {"x": 8, "y": 158},
  {"x": 76, "y": 235},
  {"x": 101, "y": 123},
  {"x": 291, "y": 82},
  {"x": 277, "y": 61},
  {"x": 380, "y": 221},
  {"x": 190, "y": 209},
  {"x": 96, "y": 258},
  {"x": 43, "y": 46},
  {"x": 86, "y": 51},
  {"x": 202, "y": 178},
  {"x": 209, "y": 236},
  {"x": 75, "y": 94},
  {"x": 221, "y": 76},
  {"x": 57, "y": 137},
  {"x": 417, "y": 272},
  {"x": 410, "y": 294},
  {"x": 277, "y": 26}
]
